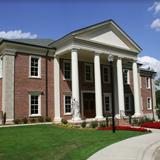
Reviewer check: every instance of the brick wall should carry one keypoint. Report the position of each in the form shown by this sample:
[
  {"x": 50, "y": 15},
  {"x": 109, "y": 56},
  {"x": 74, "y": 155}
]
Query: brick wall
[
  {"x": 24, "y": 85},
  {"x": 145, "y": 93}
]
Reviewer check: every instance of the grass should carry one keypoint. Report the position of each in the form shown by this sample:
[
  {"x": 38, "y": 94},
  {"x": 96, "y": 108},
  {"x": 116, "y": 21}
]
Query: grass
[{"x": 48, "y": 142}]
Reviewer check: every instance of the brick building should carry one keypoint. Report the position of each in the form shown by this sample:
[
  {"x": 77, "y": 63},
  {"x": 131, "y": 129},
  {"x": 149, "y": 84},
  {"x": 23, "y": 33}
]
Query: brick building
[{"x": 71, "y": 77}]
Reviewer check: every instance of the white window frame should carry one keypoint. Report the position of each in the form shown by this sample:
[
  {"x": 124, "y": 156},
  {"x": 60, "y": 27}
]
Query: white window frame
[
  {"x": 64, "y": 78},
  {"x": 110, "y": 101},
  {"x": 108, "y": 67},
  {"x": 149, "y": 108},
  {"x": 39, "y": 104},
  {"x": 67, "y": 113},
  {"x": 1, "y": 67},
  {"x": 39, "y": 67},
  {"x": 127, "y": 95},
  {"x": 128, "y": 76},
  {"x": 91, "y": 69},
  {"x": 148, "y": 82},
  {"x": 140, "y": 81}
]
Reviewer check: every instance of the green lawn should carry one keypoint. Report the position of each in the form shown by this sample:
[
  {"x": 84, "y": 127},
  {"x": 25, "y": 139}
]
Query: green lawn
[{"x": 48, "y": 142}]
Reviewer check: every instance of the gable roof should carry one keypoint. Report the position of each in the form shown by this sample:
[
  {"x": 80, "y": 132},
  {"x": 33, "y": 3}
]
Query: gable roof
[{"x": 94, "y": 26}]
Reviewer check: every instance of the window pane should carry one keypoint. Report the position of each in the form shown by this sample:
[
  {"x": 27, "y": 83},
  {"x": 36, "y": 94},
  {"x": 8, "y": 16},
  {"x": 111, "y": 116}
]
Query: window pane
[
  {"x": 34, "y": 66},
  {"x": 67, "y": 104},
  {"x": 67, "y": 70},
  {"x": 88, "y": 72},
  {"x": 34, "y": 104}
]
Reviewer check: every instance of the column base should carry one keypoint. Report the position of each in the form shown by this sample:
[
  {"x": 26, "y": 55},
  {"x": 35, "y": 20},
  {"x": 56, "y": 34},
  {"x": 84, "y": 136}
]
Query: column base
[
  {"x": 99, "y": 118},
  {"x": 137, "y": 115},
  {"x": 57, "y": 120}
]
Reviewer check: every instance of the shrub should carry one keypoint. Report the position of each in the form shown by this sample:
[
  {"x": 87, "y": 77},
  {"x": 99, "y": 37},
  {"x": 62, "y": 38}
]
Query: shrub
[
  {"x": 64, "y": 121},
  {"x": 158, "y": 112},
  {"x": 17, "y": 121},
  {"x": 83, "y": 124},
  {"x": 102, "y": 124},
  {"x": 94, "y": 124},
  {"x": 25, "y": 120},
  {"x": 48, "y": 119},
  {"x": 40, "y": 119},
  {"x": 32, "y": 120},
  {"x": 151, "y": 125}
]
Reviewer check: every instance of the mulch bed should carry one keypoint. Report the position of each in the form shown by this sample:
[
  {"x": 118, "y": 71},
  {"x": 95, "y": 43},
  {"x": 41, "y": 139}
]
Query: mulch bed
[
  {"x": 126, "y": 128},
  {"x": 155, "y": 125}
]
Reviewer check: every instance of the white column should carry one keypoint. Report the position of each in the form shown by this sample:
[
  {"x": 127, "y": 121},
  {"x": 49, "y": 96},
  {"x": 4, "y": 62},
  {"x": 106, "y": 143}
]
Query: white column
[
  {"x": 136, "y": 90},
  {"x": 75, "y": 86},
  {"x": 120, "y": 88},
  {"x": 57, "y": 116},
  {"x": 98, "y": 88},
  {"x": 8, "y": 83}
]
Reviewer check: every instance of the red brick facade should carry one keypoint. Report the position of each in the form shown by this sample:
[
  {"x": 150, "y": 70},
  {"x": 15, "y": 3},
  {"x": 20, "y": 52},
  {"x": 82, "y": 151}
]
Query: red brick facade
[{"x": 24, "y": 85}]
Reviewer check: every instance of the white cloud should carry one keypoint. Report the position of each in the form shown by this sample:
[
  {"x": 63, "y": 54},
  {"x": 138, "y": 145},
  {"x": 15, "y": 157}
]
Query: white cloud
[
  {"x": 150, "y": 63},
  {"x": 156, "y": 24},
  {"x": 155, "y": 7},
  {"x": 17, "y": 34}
]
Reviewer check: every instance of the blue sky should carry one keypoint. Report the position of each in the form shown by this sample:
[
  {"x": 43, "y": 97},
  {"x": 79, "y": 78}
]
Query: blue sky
[{"x": 53, "y": 19}]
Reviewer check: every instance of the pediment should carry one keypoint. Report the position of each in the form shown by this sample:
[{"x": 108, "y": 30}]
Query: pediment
[{"x": 109, "y": 35}]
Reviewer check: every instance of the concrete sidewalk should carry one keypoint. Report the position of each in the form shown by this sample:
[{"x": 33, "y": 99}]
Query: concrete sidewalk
[{"x": 145, "y": 147}]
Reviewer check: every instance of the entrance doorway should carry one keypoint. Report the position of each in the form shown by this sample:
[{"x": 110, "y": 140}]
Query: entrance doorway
[{"x": 89, "y": 105}]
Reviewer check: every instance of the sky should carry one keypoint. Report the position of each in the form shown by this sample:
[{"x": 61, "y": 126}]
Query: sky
[{"x": 54, "y": 18}]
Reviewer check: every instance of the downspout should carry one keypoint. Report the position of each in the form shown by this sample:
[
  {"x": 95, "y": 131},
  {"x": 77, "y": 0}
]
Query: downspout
[
  {"x": 152, "y": 97},
  {"x": 46, "y": 85}
]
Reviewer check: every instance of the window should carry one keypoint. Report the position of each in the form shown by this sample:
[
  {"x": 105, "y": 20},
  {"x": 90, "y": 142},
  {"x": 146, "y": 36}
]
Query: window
[
  {"x": 35, "y": 66},
  {"x": 88, "y": 72},
  {"x": 149, "y": 103},
  {"x": 67, "y": 70},
  {"x": 127, "y": 102},
  {"x": 107, "y": 102},
  {"x": 106, "y": 73},
  {"x": 126, "y": 76},
  {"x": 35, "y": 102},
  {"x": 67, "y": 104},
  {"x": 148, "y": 83}
]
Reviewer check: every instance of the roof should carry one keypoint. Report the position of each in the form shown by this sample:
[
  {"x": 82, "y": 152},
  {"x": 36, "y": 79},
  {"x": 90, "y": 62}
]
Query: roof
[{"x": 40, "y": 42}]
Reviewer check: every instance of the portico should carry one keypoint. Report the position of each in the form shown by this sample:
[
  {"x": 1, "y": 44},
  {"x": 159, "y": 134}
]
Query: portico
[{"x": 81, "y": 48}]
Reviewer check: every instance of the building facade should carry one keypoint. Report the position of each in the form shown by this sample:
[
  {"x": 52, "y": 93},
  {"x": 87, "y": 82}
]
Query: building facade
[{"x": 70, "y": 78}]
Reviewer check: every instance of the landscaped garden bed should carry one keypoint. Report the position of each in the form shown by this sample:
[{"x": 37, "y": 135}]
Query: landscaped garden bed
[
  {"x": 125, "y": 128},
  {"x": 155, "y": 125}
]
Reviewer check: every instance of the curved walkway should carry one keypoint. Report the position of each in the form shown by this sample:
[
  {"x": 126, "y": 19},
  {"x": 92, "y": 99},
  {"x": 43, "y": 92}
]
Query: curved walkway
[{"x": 145, "y": 147}]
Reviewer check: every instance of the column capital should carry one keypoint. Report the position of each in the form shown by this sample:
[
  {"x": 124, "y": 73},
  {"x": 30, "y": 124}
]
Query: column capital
[
  {"x": 74, "y": 49},
  {"x": 7, "y": 51}
]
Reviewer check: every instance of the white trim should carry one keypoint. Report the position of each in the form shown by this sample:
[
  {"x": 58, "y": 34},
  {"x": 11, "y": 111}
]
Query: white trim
[
  {"x": 91, "y": 69},
  {"x": 39, "y": 104},
  {"x": 140, "y": 81},
  {"x": 67, "y": 79},
  {"x": 148, "y": 83},
  {"x": 110, "y": 101},
  {"x": 109, "y": 78},
  {"x": 39, "y": 66},
  {"x": 129, "y": 96},
  {"x": 67, "y": 94},
  {"x": 82, "y": 106},
  {"x": 150, "y": 103}
]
